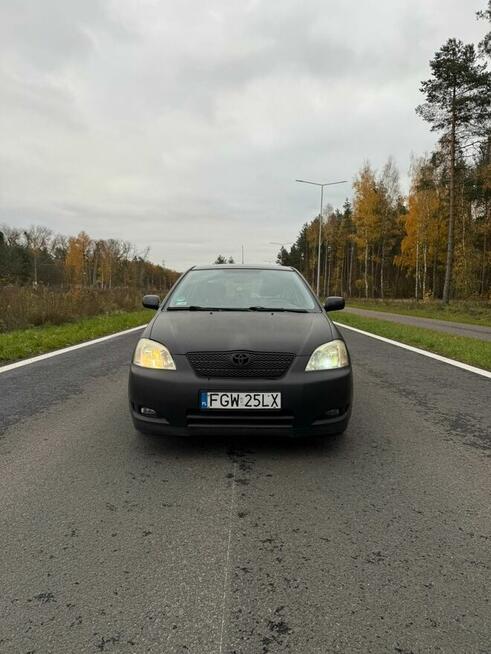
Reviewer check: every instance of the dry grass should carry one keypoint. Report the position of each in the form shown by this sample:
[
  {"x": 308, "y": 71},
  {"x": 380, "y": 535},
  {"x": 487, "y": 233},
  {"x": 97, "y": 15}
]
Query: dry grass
[{"x": 23, "y": 307}]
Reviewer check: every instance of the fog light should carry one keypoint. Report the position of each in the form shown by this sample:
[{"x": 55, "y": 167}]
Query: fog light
[
  {"x": 332, "y": 413},
  {"x": 146, "y": 411}
]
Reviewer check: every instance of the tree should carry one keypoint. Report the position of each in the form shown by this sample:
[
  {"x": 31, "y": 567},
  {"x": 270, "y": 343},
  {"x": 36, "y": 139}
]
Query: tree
[
  {"x": 347, "y": 236},
  {"x": 458, "y": 97},
  {"x": 76, "y": 258},
  {"x": 390, "y": 202},
  {"x": 220, "y": 260},
  {"x": 37, "y": 239},
  {"x": 422, "y": 225},
  {"x": 366, "y": 213},
  {"x": 485, "y": 44},
  {"x": 282, "y": 256},
  {"x": 15, "y": 263}
]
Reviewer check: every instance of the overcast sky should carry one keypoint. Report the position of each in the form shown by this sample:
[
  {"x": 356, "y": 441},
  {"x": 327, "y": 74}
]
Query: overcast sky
[{"x": 182, "y": 125}]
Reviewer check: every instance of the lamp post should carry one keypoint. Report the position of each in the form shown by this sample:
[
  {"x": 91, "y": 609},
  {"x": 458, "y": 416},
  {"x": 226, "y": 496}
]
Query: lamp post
[{"x": 306, "y": 181}]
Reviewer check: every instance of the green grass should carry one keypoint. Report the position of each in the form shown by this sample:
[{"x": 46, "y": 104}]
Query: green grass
[
  {"x": 473, "y": 313},
  {"x": 24, "y": 343},
  {"x": 468, "y": 350}
]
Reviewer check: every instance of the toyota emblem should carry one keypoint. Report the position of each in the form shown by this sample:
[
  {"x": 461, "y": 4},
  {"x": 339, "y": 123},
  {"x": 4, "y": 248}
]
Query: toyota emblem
[{"x": 241, "y": 359}]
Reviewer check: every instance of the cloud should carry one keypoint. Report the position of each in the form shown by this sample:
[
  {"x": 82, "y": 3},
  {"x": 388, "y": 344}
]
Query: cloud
[{"x": 182, "y": 125}]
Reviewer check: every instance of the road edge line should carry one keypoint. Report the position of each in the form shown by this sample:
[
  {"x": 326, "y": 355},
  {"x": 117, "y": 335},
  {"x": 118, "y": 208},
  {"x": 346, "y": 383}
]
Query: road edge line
[
  {"x": 64, "y": 350},
  {"x": 417, "y": 350}
]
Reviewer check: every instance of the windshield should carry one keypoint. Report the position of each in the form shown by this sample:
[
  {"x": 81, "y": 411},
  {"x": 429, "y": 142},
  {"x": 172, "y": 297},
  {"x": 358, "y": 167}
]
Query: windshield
[{"x": 243, "y": 289}]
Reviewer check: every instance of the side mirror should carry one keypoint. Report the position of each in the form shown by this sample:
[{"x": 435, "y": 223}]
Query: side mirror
[
  {"x": 151, "y": 301},
  {"x": 334, "y": 303}
]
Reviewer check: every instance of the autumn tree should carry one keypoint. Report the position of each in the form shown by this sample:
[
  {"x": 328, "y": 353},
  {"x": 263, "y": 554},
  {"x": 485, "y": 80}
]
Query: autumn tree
[
  {"x": 457, "y": 101},
  {"x": 76, "y": 258},
  {"x": 390, "y": 202},
  {"x": 366, "y": 217},
  {"x": 421, "y": 245}
]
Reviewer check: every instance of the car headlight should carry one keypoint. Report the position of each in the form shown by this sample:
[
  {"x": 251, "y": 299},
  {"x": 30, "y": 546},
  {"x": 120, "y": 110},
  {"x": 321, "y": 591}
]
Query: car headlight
[
  {"x": 150, "y": 354},
  {"x": 328, "y": 356}
]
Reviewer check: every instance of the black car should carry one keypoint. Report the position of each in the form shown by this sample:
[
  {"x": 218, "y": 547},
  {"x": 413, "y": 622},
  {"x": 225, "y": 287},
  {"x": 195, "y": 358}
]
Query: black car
[{"x": 238, "y": 348}]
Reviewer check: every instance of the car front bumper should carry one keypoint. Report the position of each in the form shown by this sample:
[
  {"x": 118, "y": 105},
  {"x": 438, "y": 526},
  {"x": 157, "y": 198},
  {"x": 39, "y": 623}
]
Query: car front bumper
[{"x": 312, "y": 403}]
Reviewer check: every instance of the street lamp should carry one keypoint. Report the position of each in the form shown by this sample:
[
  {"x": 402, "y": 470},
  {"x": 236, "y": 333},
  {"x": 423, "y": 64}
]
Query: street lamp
[{"x": 305, "y": 181}]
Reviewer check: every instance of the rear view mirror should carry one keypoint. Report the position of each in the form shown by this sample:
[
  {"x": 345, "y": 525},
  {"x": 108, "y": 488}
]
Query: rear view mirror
[
  {"x": 334, "y": 303},
  {"x": 151, "y": 301}
]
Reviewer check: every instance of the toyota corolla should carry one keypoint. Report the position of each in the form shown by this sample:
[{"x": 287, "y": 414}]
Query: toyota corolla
[{"x": 243, "y": 348}]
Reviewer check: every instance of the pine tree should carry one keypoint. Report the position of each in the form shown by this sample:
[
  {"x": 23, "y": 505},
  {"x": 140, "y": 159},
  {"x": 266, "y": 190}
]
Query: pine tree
[
  {"x": 458, "y": 97},
  {"x": 485, "y": 44}
]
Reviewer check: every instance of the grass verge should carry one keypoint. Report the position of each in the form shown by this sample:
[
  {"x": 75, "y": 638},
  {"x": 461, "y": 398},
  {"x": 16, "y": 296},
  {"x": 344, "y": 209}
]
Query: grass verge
[
  {"x": 468, "y": 350},
  {"x": 472, "y": 313},
  {"x": 24, "y": 343}
]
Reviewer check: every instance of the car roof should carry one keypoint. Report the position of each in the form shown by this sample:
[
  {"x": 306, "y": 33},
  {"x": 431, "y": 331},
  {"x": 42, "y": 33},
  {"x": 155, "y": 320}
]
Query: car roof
[{"x": 232, "y": 266}]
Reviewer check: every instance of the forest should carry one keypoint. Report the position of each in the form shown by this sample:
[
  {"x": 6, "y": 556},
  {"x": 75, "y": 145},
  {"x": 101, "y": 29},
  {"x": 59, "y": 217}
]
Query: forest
[
  {"x": 435, "y": 242},
  {"x": 52, "y": 278},
  {"x": 36, "y": 256}
]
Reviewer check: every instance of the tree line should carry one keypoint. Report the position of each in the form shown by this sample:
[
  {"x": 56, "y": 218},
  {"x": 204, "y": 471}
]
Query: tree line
[
  {"x": 436, "y": 241},
  {"x": 37, "y": 257}
]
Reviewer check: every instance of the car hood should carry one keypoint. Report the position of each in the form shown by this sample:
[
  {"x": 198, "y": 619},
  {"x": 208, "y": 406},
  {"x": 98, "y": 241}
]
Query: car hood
[{"x": 186, "y": 331}]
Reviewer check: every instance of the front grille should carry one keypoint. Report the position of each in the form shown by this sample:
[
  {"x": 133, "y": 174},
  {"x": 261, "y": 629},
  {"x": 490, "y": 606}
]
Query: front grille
[
  {"x": 260, "y": 419},
  {"x": 266, "y": 365}
]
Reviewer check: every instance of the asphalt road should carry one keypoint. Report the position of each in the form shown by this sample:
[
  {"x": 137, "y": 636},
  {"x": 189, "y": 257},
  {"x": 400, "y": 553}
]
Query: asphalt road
[
  {"x": 378, "y": 541},
  {"x": 481, "y": 332}
]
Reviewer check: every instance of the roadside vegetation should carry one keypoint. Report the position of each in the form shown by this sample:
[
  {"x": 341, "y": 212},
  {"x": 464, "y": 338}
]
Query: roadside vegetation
[
  {"x": 22, "y": 307},
  {"x": 467, "y": 350},
  {"x": 24, "y": 343},
  {"x": 473, "y": 313}
]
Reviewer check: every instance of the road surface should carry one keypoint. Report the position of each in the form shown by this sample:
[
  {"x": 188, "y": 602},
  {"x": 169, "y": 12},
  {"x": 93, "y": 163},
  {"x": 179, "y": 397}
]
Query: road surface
[
  {"x": 457, "y": 328},
  {"x": 375, "y": 542}
]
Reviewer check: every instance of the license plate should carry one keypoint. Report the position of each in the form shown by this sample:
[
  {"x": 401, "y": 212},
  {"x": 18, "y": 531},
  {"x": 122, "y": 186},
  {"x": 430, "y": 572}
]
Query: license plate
[{"x": 219, "y": 400}]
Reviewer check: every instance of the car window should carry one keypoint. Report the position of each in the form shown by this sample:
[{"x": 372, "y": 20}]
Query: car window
[{"x": 243, "y": 289}]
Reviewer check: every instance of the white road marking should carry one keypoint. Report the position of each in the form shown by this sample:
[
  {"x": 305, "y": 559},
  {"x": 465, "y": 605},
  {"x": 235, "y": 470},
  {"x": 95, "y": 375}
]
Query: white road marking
[
  {"x": 71, "y": 348},
  {"x": 227, "y": 560},
  {"x": 417, "y": 350}
]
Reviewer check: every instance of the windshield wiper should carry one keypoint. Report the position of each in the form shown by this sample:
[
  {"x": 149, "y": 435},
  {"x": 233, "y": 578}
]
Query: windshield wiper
[
  {"x": 277, "y": 309},
  {"x": 195, "y": 307}
]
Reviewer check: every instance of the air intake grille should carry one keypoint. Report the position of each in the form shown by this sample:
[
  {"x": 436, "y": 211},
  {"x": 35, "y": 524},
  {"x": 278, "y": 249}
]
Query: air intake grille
[
  {"x": 261, "y": 419},
  {"x": 266, "y": 365}
]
